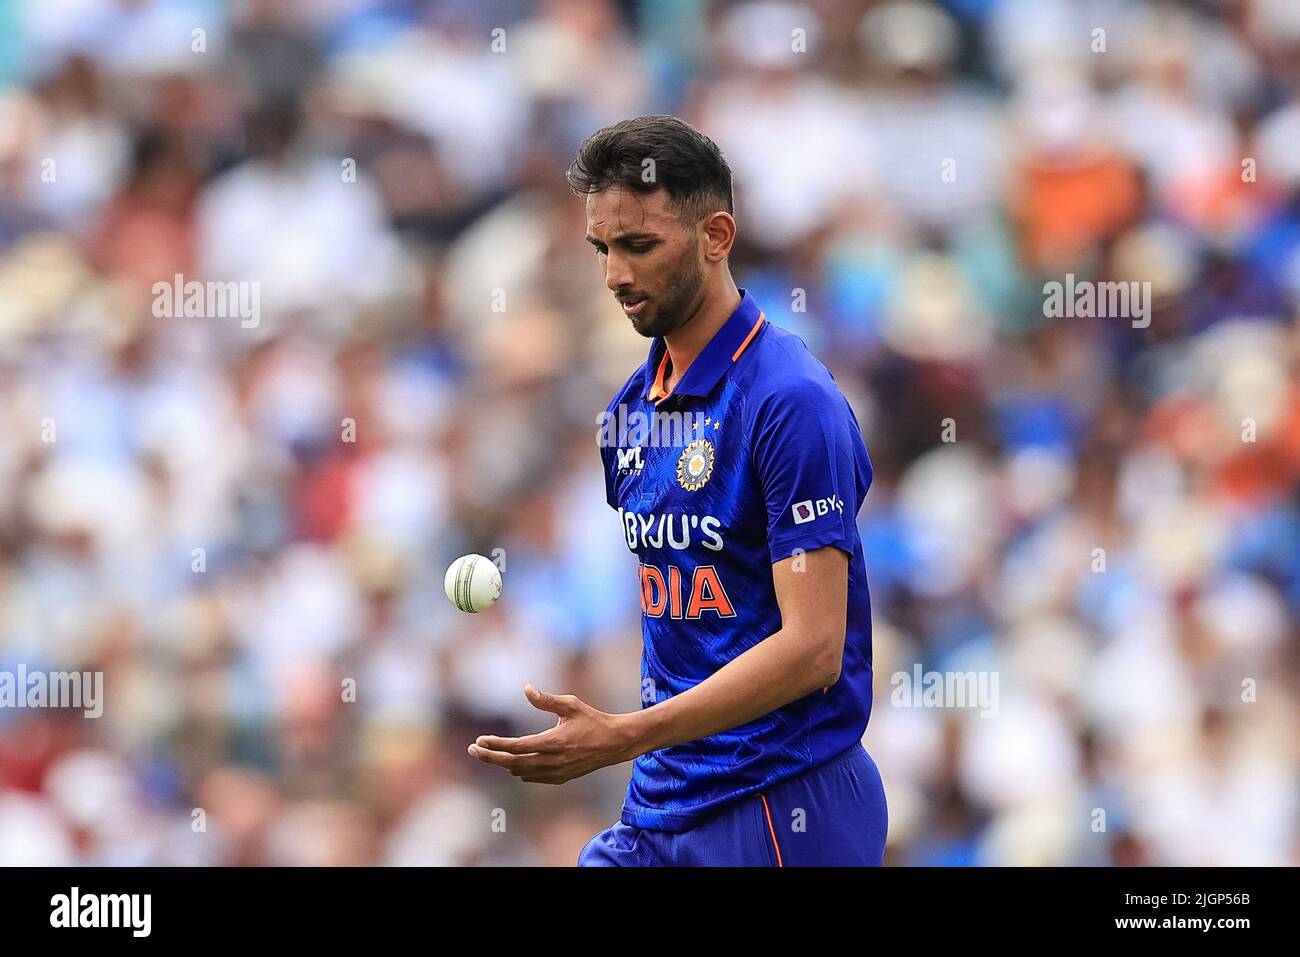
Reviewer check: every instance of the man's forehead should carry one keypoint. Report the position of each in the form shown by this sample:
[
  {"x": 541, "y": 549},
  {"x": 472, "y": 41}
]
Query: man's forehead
[{"x": 617, "y": 210}]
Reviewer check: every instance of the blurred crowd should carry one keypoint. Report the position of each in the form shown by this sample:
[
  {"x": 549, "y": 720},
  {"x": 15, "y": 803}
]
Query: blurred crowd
[{"x": 245, "y": 526}]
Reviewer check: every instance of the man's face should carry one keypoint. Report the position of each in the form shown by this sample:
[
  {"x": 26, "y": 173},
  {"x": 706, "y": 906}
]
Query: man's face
[{"x": 651, "y": 259}]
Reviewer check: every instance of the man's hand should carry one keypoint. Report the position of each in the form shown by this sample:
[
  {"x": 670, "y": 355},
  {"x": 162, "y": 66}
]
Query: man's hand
[{"x": 582, "y": 741}]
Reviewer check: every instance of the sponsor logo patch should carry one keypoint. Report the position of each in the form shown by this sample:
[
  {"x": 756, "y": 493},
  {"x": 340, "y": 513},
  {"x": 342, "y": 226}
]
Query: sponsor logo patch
[{"x": 809, "y": 509}]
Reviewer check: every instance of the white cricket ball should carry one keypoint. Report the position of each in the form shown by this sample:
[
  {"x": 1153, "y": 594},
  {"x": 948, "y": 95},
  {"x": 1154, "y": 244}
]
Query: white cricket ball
[{"x": 472, "y": 583}]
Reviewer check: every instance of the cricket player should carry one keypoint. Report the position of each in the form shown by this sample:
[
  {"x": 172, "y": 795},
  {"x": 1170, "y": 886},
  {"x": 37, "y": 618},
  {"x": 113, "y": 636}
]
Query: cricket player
[{"x": 756, "y": 669}]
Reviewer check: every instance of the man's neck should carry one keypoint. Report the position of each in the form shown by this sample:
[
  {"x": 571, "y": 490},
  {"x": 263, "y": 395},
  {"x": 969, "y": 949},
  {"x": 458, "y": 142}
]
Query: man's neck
[{"x": 688, "y": 341}]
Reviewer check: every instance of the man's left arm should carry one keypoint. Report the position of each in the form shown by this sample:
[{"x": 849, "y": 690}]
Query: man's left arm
[{"x": 804, "y": 656}]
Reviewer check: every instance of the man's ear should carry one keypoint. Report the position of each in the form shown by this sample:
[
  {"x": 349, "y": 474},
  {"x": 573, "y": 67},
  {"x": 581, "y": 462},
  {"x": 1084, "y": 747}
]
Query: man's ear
[{"x": 719, "y": 235}]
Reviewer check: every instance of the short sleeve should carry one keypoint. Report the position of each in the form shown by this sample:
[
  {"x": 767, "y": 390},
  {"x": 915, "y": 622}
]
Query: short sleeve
[
  {"x": 812, "y": 465},
  {"x": 605, "y": 468}
]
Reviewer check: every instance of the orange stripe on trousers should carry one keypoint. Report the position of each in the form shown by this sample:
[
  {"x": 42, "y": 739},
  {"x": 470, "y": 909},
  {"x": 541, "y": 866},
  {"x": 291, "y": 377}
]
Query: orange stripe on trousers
[{"x": 772, "y": 830}]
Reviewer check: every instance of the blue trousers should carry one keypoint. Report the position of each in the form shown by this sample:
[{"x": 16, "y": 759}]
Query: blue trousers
[{"x": 833, "y": 815}]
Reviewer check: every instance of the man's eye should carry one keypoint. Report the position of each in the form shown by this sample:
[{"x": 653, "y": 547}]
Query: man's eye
[{"x": 642, "y": 248}]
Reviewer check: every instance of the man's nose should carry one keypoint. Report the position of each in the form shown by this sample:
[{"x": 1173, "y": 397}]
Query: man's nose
[{"x": 617, "y": 274}]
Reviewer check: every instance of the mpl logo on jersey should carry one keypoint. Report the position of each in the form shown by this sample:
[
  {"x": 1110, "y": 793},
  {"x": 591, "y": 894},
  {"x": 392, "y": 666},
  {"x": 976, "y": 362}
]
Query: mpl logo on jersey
[
  {"x": 809, "y": 509},
  {"x": 629, "y": 461}
]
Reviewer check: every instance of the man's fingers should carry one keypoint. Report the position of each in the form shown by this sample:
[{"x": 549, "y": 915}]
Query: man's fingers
[
  {"x": 532, "y": 768},
  {"x": 504, "y": 759},
  {"x": 531, "y": 744}
]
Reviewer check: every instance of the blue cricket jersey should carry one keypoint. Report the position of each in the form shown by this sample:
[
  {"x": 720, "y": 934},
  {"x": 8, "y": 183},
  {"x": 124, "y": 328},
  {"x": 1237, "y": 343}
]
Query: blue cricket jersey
[{"x": 753, "y": 456}]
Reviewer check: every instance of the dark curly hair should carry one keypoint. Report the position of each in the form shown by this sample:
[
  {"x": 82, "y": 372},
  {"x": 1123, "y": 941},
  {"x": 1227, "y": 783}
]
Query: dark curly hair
[{"x": 687, "y": 164}]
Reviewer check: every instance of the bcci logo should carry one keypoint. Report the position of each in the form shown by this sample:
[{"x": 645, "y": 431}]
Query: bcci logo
[{"x": 695, "y": 465}]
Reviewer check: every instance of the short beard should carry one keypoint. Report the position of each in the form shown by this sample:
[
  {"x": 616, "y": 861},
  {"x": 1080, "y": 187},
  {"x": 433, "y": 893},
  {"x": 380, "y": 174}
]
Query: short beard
[{"x": 687, "y": 279}]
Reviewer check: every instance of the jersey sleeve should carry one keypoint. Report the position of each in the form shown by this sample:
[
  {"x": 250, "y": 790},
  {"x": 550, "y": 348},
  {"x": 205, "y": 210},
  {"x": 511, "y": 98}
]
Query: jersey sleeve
[
  {"x": 812, "y": 465},
  {"x": 605, "y": 456},
  {"x": 607, "y": 446},
  {"x": 607, "y": 473}
]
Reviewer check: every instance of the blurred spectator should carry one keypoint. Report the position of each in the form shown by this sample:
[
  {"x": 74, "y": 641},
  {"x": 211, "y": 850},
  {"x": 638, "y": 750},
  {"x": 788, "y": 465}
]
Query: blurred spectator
[{"x": 243, "y": 521}]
